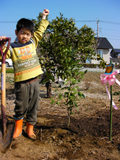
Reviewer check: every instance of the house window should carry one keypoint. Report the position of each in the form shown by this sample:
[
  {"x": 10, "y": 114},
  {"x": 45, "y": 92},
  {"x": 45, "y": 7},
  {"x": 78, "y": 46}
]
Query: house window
[
  {"x": 88, "y": 60},
  {"x": 100, "y": 52}
]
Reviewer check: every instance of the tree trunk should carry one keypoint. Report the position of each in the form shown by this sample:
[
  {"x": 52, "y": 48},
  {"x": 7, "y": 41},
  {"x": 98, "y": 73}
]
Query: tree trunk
[{"x": 48, "y": 86}]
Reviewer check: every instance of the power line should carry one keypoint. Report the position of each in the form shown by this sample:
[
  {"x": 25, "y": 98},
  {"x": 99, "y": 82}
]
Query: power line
[
  {"x": 8, "y": 21},
  {"x": 111, "y": 22},
  {"x": 85, "y": 20},
  {"x": 97, "y": 20},
  {"x": 75, "y": 21}
]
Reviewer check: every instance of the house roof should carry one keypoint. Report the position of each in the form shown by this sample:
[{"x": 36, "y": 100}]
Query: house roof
[
  {"x": 103, "y": 43},
  {"x": 116, "y": 50}
]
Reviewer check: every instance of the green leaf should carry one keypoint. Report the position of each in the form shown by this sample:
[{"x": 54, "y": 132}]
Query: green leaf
[
  {"x": 81, "y": 95},
  {"x": 52, "y": 102},
  {"x": 58, "y": 103}
]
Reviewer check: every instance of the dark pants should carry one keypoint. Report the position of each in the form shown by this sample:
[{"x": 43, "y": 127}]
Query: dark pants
[{"x": 27, "y": 101}]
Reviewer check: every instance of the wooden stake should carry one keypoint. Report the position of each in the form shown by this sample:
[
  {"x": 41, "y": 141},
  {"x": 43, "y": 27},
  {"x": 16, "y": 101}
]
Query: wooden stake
[{"x": 110, "y": 137}]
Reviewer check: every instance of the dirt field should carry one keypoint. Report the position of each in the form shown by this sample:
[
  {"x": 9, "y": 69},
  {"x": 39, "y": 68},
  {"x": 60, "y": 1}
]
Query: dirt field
[{"x": 87, "y": 137}]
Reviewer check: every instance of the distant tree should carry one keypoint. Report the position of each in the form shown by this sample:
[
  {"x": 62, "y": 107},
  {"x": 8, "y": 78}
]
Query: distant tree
[{"x": 62, "y": 45}]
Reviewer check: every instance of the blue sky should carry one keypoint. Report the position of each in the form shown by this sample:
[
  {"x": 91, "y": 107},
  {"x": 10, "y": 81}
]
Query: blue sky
[{"x": 83, "y": 11}]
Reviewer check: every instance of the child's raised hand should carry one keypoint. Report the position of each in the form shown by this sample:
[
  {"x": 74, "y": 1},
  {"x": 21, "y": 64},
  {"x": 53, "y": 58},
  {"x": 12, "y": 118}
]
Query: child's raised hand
[{"x": 45, "y": 13}]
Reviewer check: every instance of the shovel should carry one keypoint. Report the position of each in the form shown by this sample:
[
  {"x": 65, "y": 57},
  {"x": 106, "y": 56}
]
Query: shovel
[{"x": 6, "y": 127}]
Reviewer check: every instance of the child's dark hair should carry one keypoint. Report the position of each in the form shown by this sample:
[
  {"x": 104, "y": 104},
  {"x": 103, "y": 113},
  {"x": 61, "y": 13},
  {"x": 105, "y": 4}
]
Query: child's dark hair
[{"x": 25, "y": 23}]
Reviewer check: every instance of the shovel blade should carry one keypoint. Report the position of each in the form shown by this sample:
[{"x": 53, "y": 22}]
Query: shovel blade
[{"x": 6, "y": 140}]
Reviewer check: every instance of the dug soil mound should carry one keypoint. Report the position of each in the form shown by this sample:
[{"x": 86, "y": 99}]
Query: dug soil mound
[{"x": 87, "y": 137}]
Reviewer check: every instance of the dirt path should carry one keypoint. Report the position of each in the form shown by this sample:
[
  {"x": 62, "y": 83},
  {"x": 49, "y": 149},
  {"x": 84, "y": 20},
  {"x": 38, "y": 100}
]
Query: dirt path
[{"x": 87, "y": 137}]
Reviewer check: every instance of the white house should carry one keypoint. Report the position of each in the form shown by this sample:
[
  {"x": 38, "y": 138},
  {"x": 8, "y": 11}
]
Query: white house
[{"x": 103, "y": 48}]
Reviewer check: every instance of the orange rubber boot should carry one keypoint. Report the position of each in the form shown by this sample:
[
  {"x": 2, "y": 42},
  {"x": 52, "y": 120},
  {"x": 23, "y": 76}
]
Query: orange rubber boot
[
  {"x": 18, "y": 128},
  {"x": 29, "y": 131}
]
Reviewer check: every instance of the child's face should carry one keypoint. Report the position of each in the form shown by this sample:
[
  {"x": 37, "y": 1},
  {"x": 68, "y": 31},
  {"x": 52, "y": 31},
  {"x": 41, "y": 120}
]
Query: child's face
[{"x": 23, "y": 35}]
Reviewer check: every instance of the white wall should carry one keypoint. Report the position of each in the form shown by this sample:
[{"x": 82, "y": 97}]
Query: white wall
[{"x": 106, "y": 56}]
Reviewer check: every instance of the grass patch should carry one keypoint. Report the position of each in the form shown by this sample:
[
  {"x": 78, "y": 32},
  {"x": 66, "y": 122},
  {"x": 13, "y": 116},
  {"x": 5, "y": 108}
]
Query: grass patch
[{"x": 9, "y": 70}]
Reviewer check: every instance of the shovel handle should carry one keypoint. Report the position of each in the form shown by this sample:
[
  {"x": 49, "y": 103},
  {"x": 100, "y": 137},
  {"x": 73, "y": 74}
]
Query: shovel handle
[
  {"x": 3, "y": 86},
  {"x": 8, "y": 45}
]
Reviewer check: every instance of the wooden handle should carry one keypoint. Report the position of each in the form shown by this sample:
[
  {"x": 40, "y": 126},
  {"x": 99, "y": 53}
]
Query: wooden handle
[
  {"x": 3, "y": 87},
  {"x": 3, "y": 97},
  {"x": 3, "y": 84}
]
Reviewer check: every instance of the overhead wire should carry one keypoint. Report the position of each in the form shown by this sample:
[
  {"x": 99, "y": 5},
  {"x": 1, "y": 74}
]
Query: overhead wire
[
  {"x": 110, "y": 22},
  {"x": 75, "y": 21},
  {"x": 8, "y": 21}
]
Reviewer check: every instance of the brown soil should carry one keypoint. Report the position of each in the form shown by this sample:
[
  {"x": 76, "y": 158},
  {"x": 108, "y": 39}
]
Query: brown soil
[{"x": 87, "y": 137}]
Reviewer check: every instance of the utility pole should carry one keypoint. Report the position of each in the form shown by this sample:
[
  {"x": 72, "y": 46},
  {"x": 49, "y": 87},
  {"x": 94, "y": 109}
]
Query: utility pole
[{"x": 98, "y": 28}]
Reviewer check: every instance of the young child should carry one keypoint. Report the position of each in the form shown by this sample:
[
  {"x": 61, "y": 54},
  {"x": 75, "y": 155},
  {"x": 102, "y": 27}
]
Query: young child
[{"x": 26, "y": 69}]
